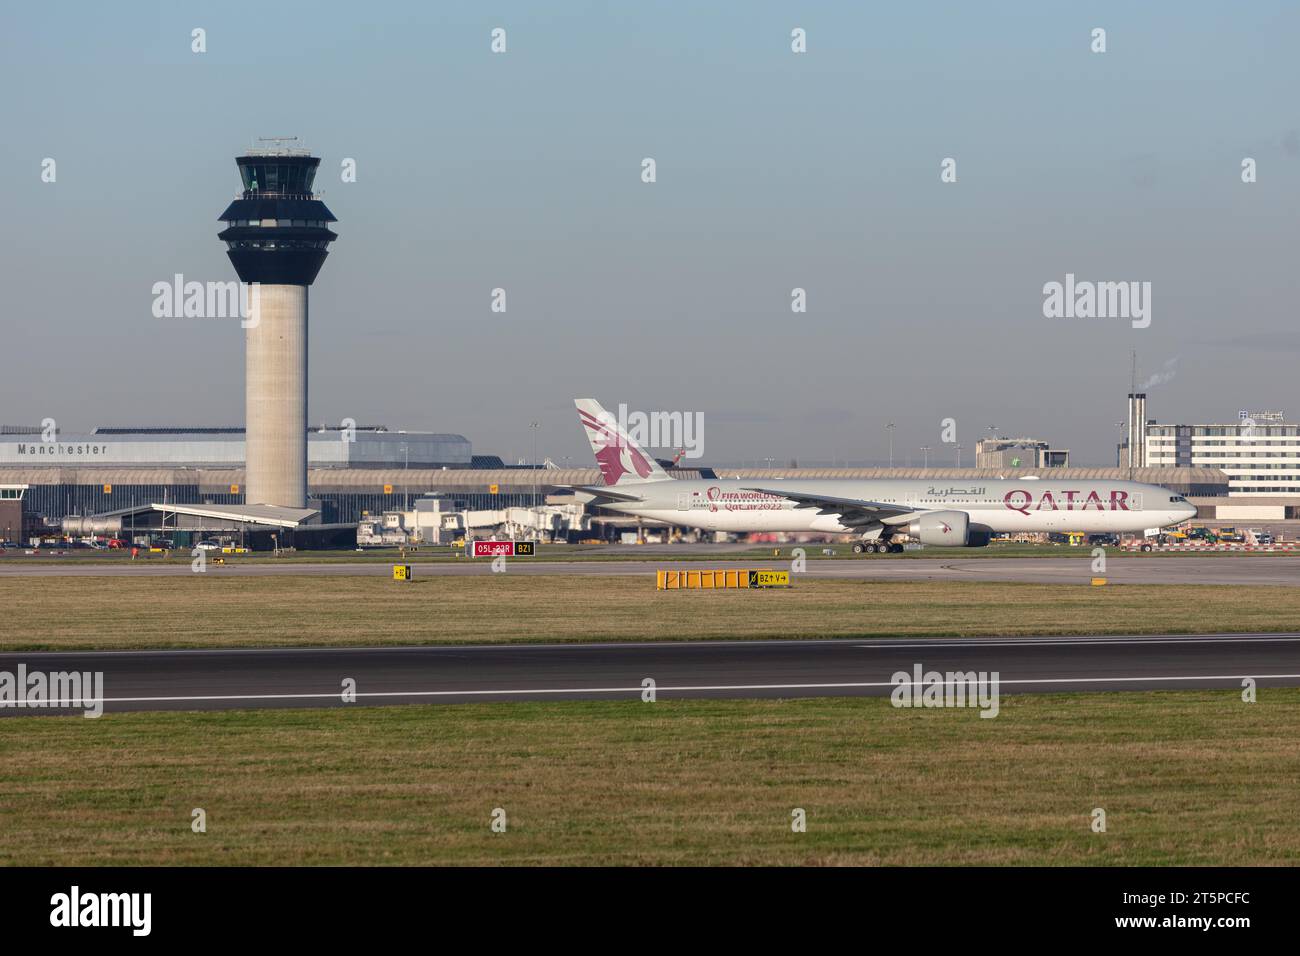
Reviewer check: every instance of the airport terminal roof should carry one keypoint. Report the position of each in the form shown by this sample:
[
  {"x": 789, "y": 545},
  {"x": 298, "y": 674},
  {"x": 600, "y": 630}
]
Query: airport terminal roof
[
  {"x": 267, "y": 515},
  {"x": 270, "y": 515},
  {"x": 344, "y": 480},
  {"x": 382, "y": 432}
]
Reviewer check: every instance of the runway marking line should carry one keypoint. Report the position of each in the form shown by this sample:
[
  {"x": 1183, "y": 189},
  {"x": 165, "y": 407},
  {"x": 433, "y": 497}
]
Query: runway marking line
[{"x": 637, "y": 689}]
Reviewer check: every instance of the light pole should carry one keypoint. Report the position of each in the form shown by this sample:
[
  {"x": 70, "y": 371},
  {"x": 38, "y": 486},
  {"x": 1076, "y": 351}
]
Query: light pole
[
  {"x": 959, "y": 456},
  {"x": 890, "y": 429},
  {"x": 925, "y": 452},
  {"x": 406, "y": 466},
  {"x": 535, "y": 426}
]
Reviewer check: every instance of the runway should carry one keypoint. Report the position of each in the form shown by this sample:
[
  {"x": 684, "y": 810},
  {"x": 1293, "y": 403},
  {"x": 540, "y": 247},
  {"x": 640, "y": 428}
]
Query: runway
[
  {"x": 227, "y": 679},
  {"x": 1173, "y": 569}
]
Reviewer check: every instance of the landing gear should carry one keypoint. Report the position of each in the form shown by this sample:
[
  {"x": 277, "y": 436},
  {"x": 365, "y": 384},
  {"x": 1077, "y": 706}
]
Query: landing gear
[{"x": 876, "y": 547}]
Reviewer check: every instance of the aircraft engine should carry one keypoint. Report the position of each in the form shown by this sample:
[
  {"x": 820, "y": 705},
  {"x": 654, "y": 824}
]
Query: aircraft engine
[{"x": 948, "y": 528}]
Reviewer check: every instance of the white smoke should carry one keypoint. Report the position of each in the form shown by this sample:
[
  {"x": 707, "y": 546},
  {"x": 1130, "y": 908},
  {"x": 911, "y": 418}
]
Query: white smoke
[{"x": 1162, "y": 377}]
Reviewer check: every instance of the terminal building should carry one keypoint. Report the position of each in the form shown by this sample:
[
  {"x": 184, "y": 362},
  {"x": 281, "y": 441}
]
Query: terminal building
[{"x": 120, "y": 472}]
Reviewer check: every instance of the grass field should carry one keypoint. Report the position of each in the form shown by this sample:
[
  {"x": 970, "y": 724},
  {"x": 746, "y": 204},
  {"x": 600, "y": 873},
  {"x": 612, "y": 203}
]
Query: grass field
[
  {"x": 1184, "y": 778},
  {"x": 210, "y": 611}
]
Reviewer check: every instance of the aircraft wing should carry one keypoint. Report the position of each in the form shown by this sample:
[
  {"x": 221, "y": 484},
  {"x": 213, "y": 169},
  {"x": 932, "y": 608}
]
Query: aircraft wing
[
  {"x": 857, "y": 510},
  {"x": 602, "y": 491}
]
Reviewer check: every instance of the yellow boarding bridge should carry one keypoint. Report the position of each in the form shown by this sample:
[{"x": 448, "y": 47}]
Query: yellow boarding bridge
[{"x": 729, "y": 578}]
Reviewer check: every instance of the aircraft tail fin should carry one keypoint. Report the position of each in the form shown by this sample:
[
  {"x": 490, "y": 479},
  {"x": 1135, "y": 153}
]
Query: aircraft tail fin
[{"x": 620, "y": 459}]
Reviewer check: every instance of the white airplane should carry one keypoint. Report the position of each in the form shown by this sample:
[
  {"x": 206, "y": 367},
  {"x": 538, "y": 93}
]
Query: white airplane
[{"x": 947, "y": 512}]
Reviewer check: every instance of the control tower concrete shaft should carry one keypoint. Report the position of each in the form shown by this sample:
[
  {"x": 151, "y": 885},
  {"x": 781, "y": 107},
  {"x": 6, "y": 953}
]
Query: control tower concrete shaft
[{"x": 277, "y": 236}]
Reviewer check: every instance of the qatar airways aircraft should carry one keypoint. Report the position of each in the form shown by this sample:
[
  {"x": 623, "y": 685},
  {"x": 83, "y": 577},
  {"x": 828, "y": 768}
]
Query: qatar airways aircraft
[{"x": 944, "y": 511}]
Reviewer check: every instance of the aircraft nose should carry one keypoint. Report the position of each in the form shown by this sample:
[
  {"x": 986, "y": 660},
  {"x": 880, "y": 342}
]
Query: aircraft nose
[{"x": 1188, "y": 512}]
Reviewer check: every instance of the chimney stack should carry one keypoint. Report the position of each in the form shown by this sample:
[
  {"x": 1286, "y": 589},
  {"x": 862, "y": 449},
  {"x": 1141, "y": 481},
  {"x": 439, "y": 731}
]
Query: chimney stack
[{"x": 1137, "y": 429}]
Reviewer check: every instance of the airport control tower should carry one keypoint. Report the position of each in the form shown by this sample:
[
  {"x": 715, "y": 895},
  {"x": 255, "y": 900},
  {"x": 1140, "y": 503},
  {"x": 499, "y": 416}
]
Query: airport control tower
[{"x": 277, "y": 235}]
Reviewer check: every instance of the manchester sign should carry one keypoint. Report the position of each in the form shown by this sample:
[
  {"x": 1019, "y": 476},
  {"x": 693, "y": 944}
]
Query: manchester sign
[{"x": 58, "y": 448}]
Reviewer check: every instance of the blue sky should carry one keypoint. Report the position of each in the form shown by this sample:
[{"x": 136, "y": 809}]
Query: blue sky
[{"x": 775, "y": 170}]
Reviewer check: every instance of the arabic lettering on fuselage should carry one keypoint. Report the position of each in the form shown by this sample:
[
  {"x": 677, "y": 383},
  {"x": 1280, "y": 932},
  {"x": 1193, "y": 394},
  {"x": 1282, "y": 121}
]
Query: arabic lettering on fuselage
[{"x": 949, "y": 492}]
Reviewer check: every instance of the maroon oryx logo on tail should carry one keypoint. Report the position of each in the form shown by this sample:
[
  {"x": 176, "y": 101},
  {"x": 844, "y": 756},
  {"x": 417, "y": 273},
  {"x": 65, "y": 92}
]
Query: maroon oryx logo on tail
[{"x": 616, "y": 454}]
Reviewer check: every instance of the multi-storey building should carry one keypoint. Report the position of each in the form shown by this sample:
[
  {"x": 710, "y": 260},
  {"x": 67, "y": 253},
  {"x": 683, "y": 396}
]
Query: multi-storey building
[{"x": 1260, "y": 454}]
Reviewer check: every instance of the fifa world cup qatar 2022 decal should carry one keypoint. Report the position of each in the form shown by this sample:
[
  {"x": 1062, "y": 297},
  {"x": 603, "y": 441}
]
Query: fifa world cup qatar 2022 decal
[{"x": 742, "y": 500}]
